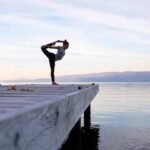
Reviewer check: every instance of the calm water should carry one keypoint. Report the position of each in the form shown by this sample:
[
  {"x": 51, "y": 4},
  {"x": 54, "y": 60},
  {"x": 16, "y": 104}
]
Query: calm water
[{"x": 121, "y": 111}]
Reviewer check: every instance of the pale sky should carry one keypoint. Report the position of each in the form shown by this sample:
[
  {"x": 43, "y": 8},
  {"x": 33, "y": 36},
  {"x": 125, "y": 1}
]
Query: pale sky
[{"x": 104, "y": 35}]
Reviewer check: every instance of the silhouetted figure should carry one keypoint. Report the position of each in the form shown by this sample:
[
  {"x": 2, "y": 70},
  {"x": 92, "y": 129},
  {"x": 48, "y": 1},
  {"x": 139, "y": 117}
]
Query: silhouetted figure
[{"x": 55, "y": 57}]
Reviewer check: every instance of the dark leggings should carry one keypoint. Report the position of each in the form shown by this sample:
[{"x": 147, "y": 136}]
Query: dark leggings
[{"x": 51, "y": 58}]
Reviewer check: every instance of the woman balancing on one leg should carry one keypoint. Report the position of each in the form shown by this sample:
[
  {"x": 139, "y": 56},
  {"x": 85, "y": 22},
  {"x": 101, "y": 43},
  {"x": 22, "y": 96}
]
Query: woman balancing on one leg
[{"x": 55, "y": 57}]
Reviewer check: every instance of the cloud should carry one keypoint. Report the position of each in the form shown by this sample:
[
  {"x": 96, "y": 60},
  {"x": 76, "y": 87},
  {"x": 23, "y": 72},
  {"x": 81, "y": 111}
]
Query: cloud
[
  {"x": 13, "y": 19},
  {"x": 98, "y": 17},
  {"x": 79, "y": 14}
]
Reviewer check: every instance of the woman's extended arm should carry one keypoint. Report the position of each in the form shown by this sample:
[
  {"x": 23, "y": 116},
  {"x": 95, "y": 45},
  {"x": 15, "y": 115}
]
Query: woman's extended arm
[{"x": 52, "y": 45}]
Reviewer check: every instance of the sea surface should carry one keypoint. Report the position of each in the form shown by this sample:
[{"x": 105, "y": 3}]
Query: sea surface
[{"x": 121, "y": 115}]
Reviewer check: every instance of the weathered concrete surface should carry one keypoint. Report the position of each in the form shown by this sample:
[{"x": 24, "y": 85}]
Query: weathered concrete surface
[{"x": 40, "y": 117}]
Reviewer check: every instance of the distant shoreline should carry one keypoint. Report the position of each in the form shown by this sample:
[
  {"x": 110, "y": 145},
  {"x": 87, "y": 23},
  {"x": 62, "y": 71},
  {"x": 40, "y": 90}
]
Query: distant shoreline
[{"x": 127, "y": 76}]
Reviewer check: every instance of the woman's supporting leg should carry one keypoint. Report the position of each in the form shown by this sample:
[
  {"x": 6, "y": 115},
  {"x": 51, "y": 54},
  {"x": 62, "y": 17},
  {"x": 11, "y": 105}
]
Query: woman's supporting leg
[
  {"x": 51, "y": 58},
  {"x": 52, "y": 65}
]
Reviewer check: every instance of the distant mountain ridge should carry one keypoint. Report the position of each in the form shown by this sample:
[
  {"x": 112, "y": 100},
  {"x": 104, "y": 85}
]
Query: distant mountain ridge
[{"x": 128, "y": 76}]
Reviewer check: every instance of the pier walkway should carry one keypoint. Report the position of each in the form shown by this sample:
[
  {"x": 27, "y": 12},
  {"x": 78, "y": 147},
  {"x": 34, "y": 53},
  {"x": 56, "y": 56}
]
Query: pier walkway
[{"x": 40, "y": 116}]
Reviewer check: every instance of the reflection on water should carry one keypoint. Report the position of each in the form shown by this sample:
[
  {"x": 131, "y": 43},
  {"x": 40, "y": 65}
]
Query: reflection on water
[
  {"x": 91, "y": 138},
  {"x": 87, "y": 140},
  {"x": 123, "y": 112}
]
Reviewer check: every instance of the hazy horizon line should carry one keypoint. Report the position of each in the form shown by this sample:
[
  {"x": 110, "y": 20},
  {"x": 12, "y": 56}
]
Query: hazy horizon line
[{"x": 59, "y": 76}]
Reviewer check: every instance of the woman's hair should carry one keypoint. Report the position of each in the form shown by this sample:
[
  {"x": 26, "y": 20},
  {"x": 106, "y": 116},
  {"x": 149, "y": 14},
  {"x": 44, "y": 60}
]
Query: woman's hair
[{"x": 66, "y": 43}]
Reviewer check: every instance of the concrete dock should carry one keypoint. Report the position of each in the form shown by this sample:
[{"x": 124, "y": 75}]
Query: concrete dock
[{"x": 40, "y": 117}]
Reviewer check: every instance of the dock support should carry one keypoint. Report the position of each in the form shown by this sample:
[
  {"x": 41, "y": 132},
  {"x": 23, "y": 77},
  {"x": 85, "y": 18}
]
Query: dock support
[
  {"x": 87, "y": 118},
  {"x": 74, "y": 141},
  {"x": 85, "y": 137}
]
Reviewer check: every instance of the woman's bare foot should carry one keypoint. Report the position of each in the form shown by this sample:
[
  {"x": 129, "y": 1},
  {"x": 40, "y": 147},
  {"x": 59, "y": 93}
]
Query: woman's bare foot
[{"x": 54, "y": 83}]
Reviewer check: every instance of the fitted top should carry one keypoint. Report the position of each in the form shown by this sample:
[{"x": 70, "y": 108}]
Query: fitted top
[{"x": 60, "y": 53}]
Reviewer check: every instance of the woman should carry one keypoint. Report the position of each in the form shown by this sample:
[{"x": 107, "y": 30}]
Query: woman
[{"x": 55, "y": 57}]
